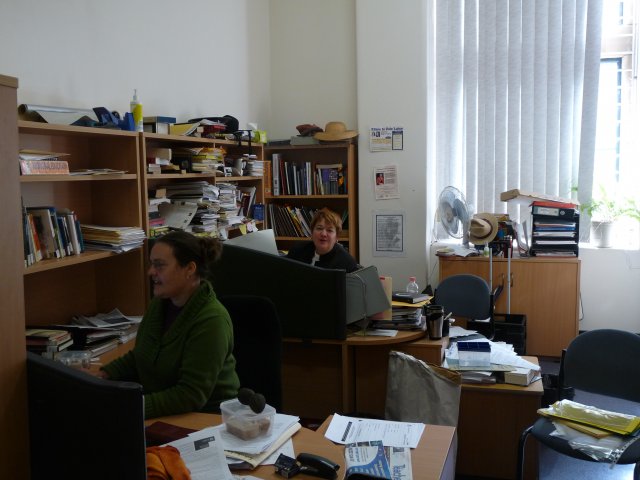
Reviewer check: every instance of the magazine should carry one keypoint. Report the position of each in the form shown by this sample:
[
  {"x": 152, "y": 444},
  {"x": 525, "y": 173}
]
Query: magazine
[{"x": 373, "y": 460}]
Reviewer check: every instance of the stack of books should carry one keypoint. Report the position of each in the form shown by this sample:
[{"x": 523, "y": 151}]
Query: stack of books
[
  {"x": 115, "y": 239},
  {"x": 49, "y": 341},
  {"x": 405, "y": 315}
]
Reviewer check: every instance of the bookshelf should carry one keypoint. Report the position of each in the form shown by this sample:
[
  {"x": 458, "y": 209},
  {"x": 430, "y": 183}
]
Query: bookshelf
[
  {"x": 93, "y": 281},
  {"x": 343, "y": 202},
  {"x": 13, "y": 401},
  {"x": 233, "y": 149}
]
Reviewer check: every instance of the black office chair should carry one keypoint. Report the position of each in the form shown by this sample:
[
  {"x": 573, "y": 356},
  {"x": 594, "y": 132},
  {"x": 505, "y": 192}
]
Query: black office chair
[
  {"x": 468, "y": 296},
  {"x": 258, "y": 344},
  {"x": 604, "y": 362}
]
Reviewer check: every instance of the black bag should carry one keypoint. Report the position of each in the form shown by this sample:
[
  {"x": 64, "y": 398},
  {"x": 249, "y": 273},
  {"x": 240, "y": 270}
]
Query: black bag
[{"x": 231, "y": 123}]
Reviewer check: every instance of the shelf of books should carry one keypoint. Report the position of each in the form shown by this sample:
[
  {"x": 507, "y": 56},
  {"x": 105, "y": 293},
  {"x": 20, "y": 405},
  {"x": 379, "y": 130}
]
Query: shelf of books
[
  {"x": 301, "y": 179},
  {"x": 207, "y": 186},
  {"x": 81, "y": 223}
]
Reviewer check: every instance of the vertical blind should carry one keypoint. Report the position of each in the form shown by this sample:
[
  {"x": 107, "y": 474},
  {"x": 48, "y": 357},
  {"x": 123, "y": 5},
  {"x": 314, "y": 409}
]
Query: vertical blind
[{"x": 514, "y": 92}]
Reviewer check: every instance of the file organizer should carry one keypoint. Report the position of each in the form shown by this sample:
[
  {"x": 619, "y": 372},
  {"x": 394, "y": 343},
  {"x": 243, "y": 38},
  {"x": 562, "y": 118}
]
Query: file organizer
[{"x": 555, "y": 230}]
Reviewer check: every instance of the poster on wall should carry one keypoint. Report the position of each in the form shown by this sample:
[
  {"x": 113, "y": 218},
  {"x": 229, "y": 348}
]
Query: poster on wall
[
  {"x": 388, "y": 234},
  {"x": 385, "y": 139},
  {"x": 385, "y": 180}
]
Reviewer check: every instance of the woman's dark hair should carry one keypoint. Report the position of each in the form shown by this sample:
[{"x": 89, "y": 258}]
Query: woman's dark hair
[{"x": 203, "y": 251}]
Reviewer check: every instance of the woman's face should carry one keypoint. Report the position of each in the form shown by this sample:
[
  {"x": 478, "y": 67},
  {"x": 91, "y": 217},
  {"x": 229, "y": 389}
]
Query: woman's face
[
  {"x": 324, "y": 237},
  {"x": 170, "y": 279}
]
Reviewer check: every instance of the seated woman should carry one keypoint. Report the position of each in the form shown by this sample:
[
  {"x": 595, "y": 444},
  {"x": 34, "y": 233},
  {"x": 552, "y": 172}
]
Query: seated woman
[
  {"x": 183, "y": 353},
  {"x": 324, "y": 250}
]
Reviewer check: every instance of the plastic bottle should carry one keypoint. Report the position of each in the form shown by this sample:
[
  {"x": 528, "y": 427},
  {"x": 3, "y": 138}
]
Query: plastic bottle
[
  {"x": 412, "y": 286},
  {"x": 136, "y": 111}
]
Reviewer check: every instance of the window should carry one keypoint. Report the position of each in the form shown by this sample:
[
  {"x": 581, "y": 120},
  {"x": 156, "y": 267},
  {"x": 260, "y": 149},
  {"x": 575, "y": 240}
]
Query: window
[{"x": 616, "y": 165}]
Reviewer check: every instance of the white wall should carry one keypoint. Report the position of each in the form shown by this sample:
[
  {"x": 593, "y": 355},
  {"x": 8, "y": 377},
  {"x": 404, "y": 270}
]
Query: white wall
[
  {"x": 187, "y": 59},
  {"x": 610, "y": 288},
  {"x": 313, "y": 64},
  {"x": 391, "y": 51}
]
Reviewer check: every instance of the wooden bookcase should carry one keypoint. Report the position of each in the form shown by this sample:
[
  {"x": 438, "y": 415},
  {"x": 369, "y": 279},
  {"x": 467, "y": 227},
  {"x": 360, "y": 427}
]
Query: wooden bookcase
[
  {"x": 546, "y": 290},
  {"x": 343, "y": 153},
  {"x": 94, "y": 281},
  {"x": 14, "y": 426}
]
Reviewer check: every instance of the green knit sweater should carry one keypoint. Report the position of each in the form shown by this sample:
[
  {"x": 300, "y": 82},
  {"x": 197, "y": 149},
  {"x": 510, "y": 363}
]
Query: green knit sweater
[{"x": 190, "y": 367}]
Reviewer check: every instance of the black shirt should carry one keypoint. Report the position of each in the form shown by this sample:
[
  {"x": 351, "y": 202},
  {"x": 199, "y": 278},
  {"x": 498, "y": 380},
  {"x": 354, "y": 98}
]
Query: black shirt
[{"x": 337, "y": 258}]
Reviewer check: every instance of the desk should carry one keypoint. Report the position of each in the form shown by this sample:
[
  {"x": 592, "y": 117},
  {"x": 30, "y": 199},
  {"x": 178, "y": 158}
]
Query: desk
[
  {"x": 433, "y": 459},
  {"x": 304, "y": 440},
  {"x": 318, "y": 376},
  {"x": 491, "y": 416}
]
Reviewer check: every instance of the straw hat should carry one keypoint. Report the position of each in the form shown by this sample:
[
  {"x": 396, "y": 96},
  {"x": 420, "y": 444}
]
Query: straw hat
[
  {"x": 483, "y": 228},
  {"x": 335, "y": 131}
]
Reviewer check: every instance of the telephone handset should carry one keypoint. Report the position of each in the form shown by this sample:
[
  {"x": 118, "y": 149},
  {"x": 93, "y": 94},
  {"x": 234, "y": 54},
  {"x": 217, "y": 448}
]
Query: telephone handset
[
  {"x": 306, "y": 463},
  {"x": 317, "y": 466}
]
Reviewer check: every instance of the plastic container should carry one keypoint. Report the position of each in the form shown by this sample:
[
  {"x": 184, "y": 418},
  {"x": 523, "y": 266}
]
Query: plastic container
[
  {"x": 474, "y": 354},
  {"x": 74, "y": 358},
  {"x": 243, "y": 422},
  {"x": 412, "y": 286}
]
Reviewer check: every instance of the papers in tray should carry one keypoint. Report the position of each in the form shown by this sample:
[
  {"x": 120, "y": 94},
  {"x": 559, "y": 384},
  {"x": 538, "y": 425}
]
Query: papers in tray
[
  {"x": 115, "y": 318},
  {"x": 211, "y": 452}
]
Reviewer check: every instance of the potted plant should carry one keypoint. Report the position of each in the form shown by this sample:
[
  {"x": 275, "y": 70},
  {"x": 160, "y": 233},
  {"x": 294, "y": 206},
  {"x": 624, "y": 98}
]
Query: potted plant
[{"x": 604, "y": 211}]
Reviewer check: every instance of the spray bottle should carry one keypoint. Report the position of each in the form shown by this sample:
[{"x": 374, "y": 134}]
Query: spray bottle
[{"x": 136, "y": 111}]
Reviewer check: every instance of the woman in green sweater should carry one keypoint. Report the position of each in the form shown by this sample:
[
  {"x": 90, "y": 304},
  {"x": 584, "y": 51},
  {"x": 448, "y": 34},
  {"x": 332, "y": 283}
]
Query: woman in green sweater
[{"x": 183, "y": 353}]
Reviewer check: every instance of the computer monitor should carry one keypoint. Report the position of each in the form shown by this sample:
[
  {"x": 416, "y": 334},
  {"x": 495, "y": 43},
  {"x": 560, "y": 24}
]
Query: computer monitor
[
  {"x": 365, "y": 294},
  {"x": 82, "y": 426}
]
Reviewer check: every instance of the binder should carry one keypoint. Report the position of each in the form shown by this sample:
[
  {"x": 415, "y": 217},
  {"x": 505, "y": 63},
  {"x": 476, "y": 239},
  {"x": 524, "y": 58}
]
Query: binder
[{"x": 549, "y": 209}]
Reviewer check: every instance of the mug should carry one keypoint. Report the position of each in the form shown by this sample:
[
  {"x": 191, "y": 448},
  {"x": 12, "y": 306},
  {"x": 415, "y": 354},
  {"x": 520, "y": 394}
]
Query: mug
[{"x": 435, "y": 319}]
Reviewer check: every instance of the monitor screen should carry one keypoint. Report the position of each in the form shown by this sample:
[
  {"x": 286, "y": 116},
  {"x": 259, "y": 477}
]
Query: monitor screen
[{"x": 82, "y": 426}]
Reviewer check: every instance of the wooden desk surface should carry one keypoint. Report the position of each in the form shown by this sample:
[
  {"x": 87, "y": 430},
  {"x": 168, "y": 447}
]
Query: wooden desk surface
[
  {"x": 355, "y": 339},
  {"x": 304, "y": 440},
  {"x": 435, "y": 455}
]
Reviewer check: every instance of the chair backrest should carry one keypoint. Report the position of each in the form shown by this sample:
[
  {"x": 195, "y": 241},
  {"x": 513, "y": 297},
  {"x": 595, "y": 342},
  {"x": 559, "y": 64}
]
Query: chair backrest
[
  {"x": 419, "y": 392},
  {"x": 465, "y": 295},
  {"x": 257, "y": 344},
  {"x": 604, "y": 361}
]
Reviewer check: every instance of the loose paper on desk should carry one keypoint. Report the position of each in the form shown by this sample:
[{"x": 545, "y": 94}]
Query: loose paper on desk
[
  {"x": 346, "y": 430},
  {"x": 203, "y": 454}
]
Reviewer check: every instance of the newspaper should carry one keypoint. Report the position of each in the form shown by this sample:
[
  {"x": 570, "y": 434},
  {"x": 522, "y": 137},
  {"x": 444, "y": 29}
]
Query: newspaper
[{"x": 373, "y": 460}]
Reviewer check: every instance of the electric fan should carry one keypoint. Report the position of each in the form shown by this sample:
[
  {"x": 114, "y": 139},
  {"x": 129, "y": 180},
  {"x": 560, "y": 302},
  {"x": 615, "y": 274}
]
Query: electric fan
[{"x": 454, "y": 214}]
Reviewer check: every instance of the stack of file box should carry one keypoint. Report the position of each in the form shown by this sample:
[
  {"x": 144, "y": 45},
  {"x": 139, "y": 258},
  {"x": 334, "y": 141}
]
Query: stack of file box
[{"x": 555, "y": 230}]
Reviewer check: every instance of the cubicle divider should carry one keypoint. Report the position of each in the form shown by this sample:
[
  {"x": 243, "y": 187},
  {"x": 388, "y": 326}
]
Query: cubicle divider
[{"x": 311, "y": 301}]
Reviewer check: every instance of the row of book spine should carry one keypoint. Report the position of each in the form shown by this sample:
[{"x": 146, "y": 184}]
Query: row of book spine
[
  {"x": 288, "y": 221},
  {"x": 303, "y": 178},
  {"x": 50, "y": 233}
]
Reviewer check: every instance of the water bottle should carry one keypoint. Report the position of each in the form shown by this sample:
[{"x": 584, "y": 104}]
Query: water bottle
[{"x": 412, "y": 286}]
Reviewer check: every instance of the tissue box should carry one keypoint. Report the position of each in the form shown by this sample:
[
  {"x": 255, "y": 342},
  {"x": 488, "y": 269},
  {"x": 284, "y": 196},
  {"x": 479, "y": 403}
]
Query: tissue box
[
  {"x": 243, "y": 422},
  {"x": 474, "y": 354}
]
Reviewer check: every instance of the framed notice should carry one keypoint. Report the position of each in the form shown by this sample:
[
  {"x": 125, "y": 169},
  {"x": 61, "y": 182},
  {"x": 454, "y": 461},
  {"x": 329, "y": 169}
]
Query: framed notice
[
  {"x": 388, "y": 234},
  {"x": 386, "y": 139}
]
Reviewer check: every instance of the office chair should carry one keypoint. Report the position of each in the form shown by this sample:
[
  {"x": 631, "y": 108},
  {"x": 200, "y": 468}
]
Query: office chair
[
  {"x": 468, "y": 296},
  {"x": 604, "y": 362},
  {"x": 420, "y": 392},
  {"x": 257, "y": 344}
]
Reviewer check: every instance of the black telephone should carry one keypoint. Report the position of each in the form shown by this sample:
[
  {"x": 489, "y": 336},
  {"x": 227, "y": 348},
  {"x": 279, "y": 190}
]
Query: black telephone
[{"x": 306, "y": 463}]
